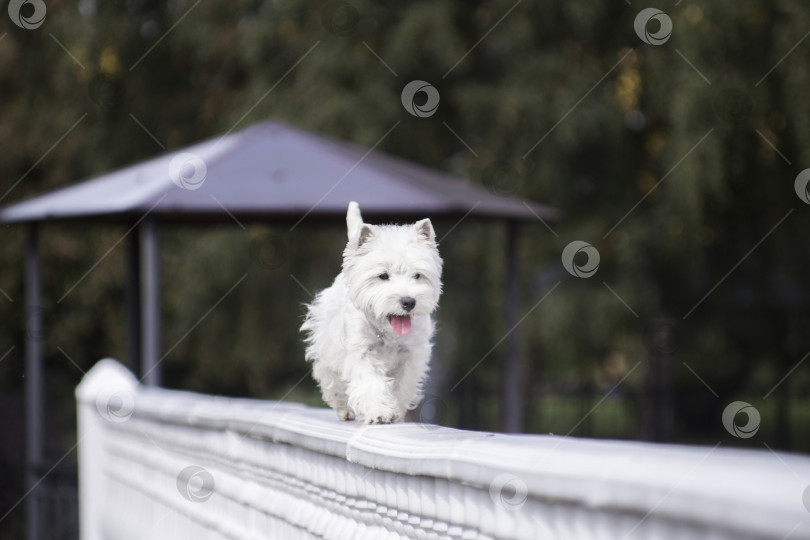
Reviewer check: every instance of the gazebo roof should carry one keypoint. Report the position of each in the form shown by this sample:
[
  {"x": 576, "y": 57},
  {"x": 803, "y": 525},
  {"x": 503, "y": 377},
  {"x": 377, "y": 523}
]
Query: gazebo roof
[{"x": 271, "y": 171}]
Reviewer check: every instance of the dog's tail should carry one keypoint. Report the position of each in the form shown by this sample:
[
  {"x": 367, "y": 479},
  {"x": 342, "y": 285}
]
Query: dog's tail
[{"x": 353, "y": 220}]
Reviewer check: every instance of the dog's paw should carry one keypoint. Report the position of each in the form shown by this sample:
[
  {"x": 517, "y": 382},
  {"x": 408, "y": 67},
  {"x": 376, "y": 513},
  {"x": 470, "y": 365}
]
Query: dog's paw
[
  {"x": 382, "y": 419},
  {"x": 345, "y": 415},
  {"x": 373, "y": 408}
]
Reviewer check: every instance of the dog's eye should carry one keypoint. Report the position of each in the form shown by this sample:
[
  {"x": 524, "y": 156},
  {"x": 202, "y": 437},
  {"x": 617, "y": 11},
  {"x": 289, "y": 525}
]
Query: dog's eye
[
  {"x": 384, "y": 275},
  {"x": 417, "y": 276}
]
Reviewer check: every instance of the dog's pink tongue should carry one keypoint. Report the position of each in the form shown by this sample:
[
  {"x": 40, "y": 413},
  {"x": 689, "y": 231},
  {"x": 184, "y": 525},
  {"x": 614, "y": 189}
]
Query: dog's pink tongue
[{"x": 401, "y": 324}]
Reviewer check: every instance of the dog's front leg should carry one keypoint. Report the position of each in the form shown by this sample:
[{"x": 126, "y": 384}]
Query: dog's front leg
[
  {"x": 369, "y": 389},
  {"x": 410, "y": 379}
]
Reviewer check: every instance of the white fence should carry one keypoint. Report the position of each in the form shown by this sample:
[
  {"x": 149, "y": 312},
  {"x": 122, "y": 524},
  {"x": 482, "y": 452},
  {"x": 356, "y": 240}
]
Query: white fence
[{"x": 160, "y": 464}]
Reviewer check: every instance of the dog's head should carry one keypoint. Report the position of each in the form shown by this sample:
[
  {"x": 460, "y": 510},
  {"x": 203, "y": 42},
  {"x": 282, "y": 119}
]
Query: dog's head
[{"x": 393, "y": 272}]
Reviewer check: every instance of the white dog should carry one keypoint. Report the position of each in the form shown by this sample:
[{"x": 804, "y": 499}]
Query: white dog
[{"x": 369, "y": 334}]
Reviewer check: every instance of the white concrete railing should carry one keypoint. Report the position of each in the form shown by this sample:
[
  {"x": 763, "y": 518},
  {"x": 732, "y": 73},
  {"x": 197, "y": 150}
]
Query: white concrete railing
[{"x": 158, "y": 464}]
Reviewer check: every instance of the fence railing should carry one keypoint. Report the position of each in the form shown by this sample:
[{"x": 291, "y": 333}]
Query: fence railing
[{"x": 155, "y": 463}]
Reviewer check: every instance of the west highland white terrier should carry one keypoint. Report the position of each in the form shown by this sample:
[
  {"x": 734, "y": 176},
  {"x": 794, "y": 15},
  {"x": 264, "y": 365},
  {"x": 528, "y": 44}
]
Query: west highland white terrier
[{"x": 369, "y": 334}]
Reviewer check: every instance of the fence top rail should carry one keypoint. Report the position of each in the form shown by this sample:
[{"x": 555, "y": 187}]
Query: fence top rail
[{"x": 757, "y": 491}]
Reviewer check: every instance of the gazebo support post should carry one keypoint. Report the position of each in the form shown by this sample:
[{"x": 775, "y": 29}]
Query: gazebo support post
[
  {"x": 513, "y": 401},
  {"x": 150, "y": 301},
  {"x": 133, "y": 307},
  {"x": 33, "y": 381}
]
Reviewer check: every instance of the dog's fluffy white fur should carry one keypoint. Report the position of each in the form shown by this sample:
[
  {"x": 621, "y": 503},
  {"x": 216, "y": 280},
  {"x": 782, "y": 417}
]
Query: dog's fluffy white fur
[{"x": 369, "y": 335}]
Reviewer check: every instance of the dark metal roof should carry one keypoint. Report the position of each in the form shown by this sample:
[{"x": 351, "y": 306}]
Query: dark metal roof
[{"x": 271, "y": 171}]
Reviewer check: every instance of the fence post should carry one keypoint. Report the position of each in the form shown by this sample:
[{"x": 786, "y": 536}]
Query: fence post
[{"x": 105, "y": 395}]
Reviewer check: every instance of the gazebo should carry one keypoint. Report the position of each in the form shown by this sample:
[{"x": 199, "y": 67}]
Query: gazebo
[{"x": 270, "y": 172}]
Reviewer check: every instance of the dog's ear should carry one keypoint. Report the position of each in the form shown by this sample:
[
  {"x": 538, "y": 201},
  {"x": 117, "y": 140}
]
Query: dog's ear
[
  {"x": 425, "y": 230},
  {"x": 353, "y": 220},
  {"x": 366, "y": 232}
]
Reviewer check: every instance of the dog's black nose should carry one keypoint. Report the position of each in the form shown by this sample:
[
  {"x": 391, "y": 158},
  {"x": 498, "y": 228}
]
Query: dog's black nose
[{"x": 407, "y": 303}]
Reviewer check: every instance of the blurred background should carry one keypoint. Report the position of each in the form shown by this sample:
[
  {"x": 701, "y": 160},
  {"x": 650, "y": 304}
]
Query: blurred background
[{"x": 677, "y": 161}]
